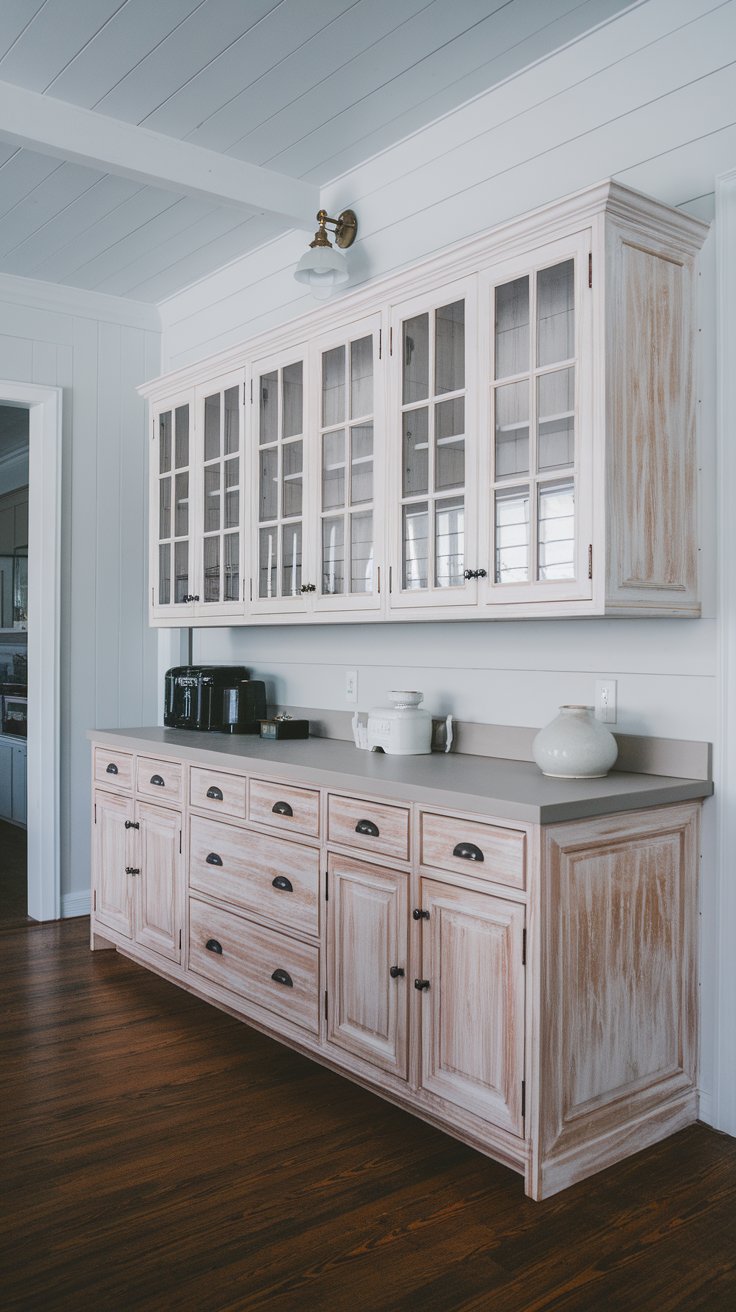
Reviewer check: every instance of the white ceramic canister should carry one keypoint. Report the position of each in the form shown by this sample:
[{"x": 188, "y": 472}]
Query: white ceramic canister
[
  {"x": 402, "y": 729},
  {"x": 575, "y": 745}
]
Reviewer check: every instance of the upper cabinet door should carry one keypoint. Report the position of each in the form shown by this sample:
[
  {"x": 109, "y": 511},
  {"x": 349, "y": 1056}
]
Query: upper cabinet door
[
  {"x": 172, "y": 573},
  {"x": 432, "y": 438},
  {"x": 348, "y": 422},
  {"x": 220, "y": 491},
  {"x": 283, "y": 572},
  {"x": 536, "y": 479}
]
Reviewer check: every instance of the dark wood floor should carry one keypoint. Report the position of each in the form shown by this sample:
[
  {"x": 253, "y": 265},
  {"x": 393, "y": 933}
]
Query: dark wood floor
[
  {"x": 160, "y": 1155},
  {"x": 13, "y": 876}
]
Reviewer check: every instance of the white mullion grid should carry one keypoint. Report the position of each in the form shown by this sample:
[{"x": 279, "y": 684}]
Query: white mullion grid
[{"x": 279, "y": 525}]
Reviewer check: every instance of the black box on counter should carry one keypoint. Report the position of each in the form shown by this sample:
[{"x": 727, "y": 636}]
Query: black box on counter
[{"x": 274, "y": 729}]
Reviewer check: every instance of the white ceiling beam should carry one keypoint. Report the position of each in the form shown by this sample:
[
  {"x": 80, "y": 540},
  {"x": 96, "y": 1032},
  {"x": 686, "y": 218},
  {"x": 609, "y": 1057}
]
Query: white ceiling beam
[{"x": 53, "y": 127}]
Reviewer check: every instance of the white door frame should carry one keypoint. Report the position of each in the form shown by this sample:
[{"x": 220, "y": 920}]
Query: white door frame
[
  {"x": 44, "y": 571},
  {"x": 724, "y": 1090}
]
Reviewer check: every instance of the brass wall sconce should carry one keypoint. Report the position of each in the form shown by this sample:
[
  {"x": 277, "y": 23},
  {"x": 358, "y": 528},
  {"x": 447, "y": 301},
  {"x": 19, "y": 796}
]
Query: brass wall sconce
[{"x": 323, "y": 268}]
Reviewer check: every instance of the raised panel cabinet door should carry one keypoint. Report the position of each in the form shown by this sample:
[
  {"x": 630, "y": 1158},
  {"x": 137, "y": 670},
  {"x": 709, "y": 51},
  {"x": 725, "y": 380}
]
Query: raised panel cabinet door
[
  {"x": 368, "y": 962},
  {"x": 113, "y": 902},
  {"x": 472, "y": 1002},
  {"x": 158, "y": 886}
]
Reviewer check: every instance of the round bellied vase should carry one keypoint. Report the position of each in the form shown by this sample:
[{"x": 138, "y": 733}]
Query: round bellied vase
[{"x": 575, "y": 745}]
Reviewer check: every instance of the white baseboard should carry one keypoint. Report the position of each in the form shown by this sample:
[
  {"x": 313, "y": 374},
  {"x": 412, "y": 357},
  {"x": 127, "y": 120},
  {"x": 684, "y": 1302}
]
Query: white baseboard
[
  {"x": 705, "y": 1109},
  {"x": 75, "y": 904}
]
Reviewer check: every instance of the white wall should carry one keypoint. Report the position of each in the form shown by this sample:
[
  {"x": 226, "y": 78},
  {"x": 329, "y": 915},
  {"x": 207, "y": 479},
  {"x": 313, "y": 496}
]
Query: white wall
[
  {"x": 646, "y": 99},
  {"x": 97, "y": 348}
]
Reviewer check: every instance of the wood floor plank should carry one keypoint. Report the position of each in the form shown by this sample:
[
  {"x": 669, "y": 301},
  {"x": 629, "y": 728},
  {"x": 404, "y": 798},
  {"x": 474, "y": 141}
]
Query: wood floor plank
[{"x": 158, "y": 1154}]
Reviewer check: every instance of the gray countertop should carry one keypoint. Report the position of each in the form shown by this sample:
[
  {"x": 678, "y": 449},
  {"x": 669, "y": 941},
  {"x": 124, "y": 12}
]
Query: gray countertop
[{"x": 511, "y": 790}]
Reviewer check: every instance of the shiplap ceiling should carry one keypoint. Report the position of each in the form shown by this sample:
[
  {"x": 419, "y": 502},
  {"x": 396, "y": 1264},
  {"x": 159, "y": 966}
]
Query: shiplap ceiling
[{"x": 145, "y": 143}]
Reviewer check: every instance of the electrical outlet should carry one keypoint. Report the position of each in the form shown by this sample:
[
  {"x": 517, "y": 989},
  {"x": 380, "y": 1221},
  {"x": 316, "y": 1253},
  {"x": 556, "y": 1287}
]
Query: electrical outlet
[
  {"x": 605, "y": 701},
  {"x": 351, "y": 685}
]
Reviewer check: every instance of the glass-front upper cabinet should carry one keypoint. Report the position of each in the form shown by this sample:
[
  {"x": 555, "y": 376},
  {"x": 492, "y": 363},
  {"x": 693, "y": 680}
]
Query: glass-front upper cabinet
[
  {"x": 172, "y": 581},
  {"x": 538, "y": 418},
  {"x": 279, "y": 399},
  {"x": 349, "y": 515},
  {"x": 433, "y": 348},
  {"x": 221, "y": 490}
]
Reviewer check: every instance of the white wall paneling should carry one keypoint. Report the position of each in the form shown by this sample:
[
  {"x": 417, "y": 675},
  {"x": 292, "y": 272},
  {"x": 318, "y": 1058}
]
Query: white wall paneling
[{"x": 96, "y": 362}]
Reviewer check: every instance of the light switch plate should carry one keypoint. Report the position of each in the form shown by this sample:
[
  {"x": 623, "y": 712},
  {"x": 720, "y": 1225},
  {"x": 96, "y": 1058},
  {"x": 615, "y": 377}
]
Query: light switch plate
[
  {"x": 351, "y": 685},
  {"x": 605, "y": 700}
]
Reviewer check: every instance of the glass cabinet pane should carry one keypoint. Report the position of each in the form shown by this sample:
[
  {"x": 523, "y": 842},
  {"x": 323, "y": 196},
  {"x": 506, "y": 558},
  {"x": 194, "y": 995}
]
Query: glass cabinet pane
[
  {"x": 173, "y": 505},
  {"x": 268, "y": 485},
  {"x": 333, "y": 387},
  {"x": 212, "y": 427},
  {"x": 361, "y": 378},
  {"x": 164, "y": 574},
  {"x": 232, "y": 421},
  {"x": 181, "y": 511},
  {"x": 449, "y": 551},
  {"x": 181, "y": 429},
  {"x": 557, "y": 531},
  {"x": 512, "y": 328},
  {"x": 416, "y": 452},
  {"x": 512, "y": 536},
  {"x": 512, "y": 429},
  {"x": 212, "y": 498},
  {"x": 293, "y": 406},
  {"x": 556, "y": 313},
  {"x": 361, "y": 463},
  {"x": 415, "y": 345},
  {"x": 211, "y": 569},
  {"x": 291, "y": 556},
  {"x": 361, "y": 552},
  {"x": 556, "y": 419},
  {"x": 333, "y": 555},
  {"x": 449, "y": 437},
  {"x": 164, "y": 508},
  {"x": 268, "y": 556},
  {"x": 333, "y": 469},
  {"x": 231, "y": 543},
  {"x": 232, "y": 493},
  {"x": 269, "y": 408},
  {"x": 221, "y": 495},
  {"x": 292, "y": 481},
  {"x": 181, "y": 571},
  {"x": 164, "y": 443},
  {"x": 450, "y": 348},
  {"x": 415, "y": 545}
]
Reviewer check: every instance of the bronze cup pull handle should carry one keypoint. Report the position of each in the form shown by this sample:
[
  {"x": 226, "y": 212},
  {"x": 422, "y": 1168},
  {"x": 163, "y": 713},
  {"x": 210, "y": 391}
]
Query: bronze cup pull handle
[
  {"x": 215, "y": 793},
  {"x": 367, "y": 827},
  {"x": 213, "y": 946},
  {"x": 111, "y": 768},
  {"x": 283, "y": 883},
  {"x": 281, "y": 808},
  {"x": 283, "y": 977},
  {"x": 469, "y": 851}
]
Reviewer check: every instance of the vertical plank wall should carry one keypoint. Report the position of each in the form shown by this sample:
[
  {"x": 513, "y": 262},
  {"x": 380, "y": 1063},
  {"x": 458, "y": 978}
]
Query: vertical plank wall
[
  {"x": 83, "y": 343},
  {"x": 648, "y": 98}
]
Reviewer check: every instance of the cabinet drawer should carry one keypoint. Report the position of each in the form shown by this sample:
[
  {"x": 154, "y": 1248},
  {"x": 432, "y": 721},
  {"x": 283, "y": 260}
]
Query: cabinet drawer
[
  {"x": 372, "y": 826},
  {"x": 260, "y": 964},
  {"x": 278, "y": 804},
  {"x": 113, "y": 769},
  {"x": 270, "y": 876},
  {"x": 221, "y": 793},
  {"x": 473, "y": 847},
  {"x": 162, "y": 780}
]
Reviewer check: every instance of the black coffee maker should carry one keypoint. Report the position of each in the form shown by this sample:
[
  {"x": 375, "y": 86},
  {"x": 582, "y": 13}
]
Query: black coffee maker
[{"x": 214, "y": 698}]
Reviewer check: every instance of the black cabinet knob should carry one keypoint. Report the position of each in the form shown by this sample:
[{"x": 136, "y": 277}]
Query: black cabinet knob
[
  {"x": 468, "y": 851},
  {"x": 421, "y": 984},
  {"x": 213, "y": 859},
  {"x": 111, "y": 768},
  {"x": 474, "y": 574},
  {"x": 132, "y": 824},
  {"x": 396, "y": 972},
  {"x": 283, "y": 883},
  {"x": 418, "y": 914},
  {"x": 157, "y": 780},
  {"x": 283, "y": 977},
  {"x": 281, "y": 808},
  {"x": 367, "y": 827},
  {"x": 132, "y": 870},
  {"x": 213, "y": 946},
  {"x": 309, "y": 587},
  {"x": 215, "y": 793}
]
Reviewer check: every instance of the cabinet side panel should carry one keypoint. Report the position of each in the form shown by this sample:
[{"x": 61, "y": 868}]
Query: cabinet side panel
[
  {"x": 618, "y": 1033},
  {"x": 652, "y": 464}
]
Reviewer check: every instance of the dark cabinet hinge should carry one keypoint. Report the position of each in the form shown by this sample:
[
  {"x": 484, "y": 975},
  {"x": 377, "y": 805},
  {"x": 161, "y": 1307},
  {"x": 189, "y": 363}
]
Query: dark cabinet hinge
[
  {"x": 180, "y": 940},
  {"x": 95, "y": 813},
  {"x": 590, "y": 269},
  {"x": 94, "y": 900},
  {"x": 390, "y": 341},
  {"x": 325, "y": 1004},
  {"x": 380, "y": 342},
  {"x": 523, "y": 947},
  {"x": 523, "y": 1098},
  {"x": 251, "y": 391},
  {"x": 180, "y": 842},
  {"x": 590, "y": 560},
  {"x": 327, "y": 885}
]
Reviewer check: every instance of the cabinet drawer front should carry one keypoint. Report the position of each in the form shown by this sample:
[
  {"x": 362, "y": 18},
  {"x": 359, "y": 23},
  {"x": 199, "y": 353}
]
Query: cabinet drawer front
[
  {"x": 283, "y": 806},
  {"x": 260, "y": 964},
  {"x": 270, "y": 876},
  {"x": 368, "y": 825},
  {"x": 162, "y": 780},
  {"x": 221, "y": 793},
  {"x": 472, "y": 847},
  {"x": 113, "y": 769}
]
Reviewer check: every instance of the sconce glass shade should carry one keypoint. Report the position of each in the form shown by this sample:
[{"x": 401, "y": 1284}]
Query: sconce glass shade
[{"x": 322, "y": 269}]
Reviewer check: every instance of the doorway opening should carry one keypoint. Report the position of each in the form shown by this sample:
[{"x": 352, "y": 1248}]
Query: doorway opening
[{"x": 14, "y": 475}]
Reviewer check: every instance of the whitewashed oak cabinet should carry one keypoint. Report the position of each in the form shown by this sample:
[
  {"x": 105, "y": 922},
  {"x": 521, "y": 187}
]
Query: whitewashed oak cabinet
[
  {"x": 529, "y": 988},
  {"x": 505, "y": 430}
]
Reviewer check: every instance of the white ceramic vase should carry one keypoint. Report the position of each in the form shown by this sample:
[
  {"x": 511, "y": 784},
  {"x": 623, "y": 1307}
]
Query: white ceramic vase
[{"x": 575, "y": 745}]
